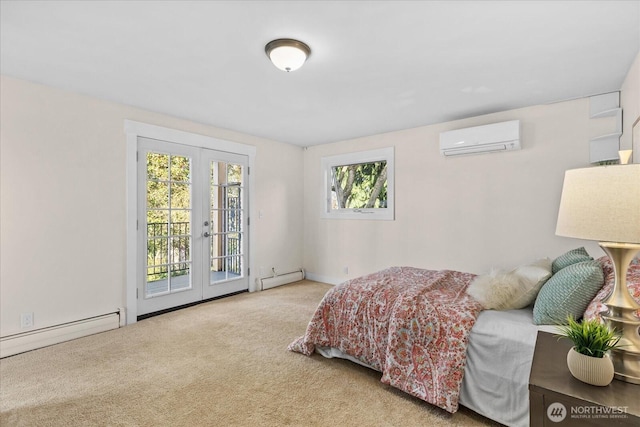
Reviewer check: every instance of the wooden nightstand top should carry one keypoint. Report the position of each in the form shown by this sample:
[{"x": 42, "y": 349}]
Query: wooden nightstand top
[{"x": 551, "y": 378}]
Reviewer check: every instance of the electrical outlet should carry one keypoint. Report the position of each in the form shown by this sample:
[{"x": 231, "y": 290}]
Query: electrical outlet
[
  {"x": 346, "y": 270},
  {"x": 26, "y": 320}
]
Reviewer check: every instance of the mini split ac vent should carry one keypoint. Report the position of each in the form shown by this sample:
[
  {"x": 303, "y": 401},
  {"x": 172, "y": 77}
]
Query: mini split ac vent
[{"x": 491, "y": 138}]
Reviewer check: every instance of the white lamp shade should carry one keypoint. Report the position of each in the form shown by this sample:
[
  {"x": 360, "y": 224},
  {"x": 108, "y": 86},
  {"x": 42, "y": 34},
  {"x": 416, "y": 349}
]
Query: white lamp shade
[{"x": 601, "y": 203}]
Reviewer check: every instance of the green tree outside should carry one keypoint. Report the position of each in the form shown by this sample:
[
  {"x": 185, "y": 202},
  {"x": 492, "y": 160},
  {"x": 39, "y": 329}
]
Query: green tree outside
[{"x": 360, "y": 186}]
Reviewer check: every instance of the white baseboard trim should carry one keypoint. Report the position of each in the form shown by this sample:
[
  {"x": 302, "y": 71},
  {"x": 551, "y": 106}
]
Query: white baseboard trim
[{"x": 38, "y": 338}]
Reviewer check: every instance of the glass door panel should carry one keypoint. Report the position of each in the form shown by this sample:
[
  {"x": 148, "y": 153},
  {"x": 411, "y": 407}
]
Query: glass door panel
[
  {"x": 227, "y": 222},
  {"x": 168, "y": 222}
]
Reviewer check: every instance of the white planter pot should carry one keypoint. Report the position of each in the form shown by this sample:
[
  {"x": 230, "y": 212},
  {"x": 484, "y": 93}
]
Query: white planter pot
[{"x": 590, "y": 370}]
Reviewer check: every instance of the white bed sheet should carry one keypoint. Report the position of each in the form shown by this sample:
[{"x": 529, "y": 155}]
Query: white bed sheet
[{"x": 499, "y": 356}]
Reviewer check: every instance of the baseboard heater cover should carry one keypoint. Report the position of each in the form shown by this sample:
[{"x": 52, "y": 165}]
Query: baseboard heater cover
[
  {"x": 38, "y": 338},
  {"x": 281, "y": 279}
]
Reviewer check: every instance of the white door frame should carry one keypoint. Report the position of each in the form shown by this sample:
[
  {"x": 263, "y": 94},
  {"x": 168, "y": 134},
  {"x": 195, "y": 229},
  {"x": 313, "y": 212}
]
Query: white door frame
[{"x": 133, "y": 130}]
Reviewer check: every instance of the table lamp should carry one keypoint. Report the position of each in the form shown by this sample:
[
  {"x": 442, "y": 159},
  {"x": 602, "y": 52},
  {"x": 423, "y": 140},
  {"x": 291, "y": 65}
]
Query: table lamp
[{"x": 603, "y": 203}]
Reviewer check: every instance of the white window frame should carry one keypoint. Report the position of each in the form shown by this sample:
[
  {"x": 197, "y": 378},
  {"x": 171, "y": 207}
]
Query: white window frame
[{"x": 369, "y": 156}]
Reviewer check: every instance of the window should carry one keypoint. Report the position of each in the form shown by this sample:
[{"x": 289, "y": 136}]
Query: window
[{"x": 359, "y": 185}]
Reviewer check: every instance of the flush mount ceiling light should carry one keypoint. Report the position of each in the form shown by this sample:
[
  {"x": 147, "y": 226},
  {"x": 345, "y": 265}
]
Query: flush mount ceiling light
[{"x": 287, "y": 54}]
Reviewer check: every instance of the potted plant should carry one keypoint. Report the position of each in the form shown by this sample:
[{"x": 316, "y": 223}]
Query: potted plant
[{"x": 588, "y": 360}]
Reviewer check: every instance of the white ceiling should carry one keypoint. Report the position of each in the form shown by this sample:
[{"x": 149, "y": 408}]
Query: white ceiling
[{"x": 376, "y": 66}]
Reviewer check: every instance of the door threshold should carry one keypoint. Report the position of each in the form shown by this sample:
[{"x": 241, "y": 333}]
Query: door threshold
[{"x": 191, "y": 304}]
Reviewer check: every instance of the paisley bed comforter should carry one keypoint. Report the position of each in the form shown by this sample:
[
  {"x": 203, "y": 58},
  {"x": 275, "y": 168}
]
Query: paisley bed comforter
[{"x": 408, "y": 323}]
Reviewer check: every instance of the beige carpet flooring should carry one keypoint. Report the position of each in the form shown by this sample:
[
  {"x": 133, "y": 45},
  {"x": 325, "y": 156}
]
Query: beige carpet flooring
[{"x": 221, "y": 363}]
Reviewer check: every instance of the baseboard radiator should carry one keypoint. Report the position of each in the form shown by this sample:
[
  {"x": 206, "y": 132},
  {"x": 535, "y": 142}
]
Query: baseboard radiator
[
  {"x": 280, "y": 279},
  {"x": 38, "y": 338}
]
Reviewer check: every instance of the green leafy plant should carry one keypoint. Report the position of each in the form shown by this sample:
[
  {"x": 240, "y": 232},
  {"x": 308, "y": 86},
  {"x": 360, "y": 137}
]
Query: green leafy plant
[{"x": 590, "y": 337}]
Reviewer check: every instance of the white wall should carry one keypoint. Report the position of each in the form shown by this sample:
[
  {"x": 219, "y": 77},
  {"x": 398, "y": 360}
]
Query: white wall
[
  {"x": 630, "y": 103},
  {"x": 466, "y": 213},
  {"x": 62, "y": 201},
  {"x": 62, "y": 205}
]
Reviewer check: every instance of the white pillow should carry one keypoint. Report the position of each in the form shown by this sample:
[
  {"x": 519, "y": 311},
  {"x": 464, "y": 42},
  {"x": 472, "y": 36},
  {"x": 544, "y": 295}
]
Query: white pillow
[
  {"x": 535, "y": 274},
  {"x": 507, "y": 290}
]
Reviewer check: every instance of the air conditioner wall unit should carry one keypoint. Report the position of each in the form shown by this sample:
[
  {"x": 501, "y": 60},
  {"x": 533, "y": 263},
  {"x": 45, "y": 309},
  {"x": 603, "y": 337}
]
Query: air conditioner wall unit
[{"x": 504, "y": 136}]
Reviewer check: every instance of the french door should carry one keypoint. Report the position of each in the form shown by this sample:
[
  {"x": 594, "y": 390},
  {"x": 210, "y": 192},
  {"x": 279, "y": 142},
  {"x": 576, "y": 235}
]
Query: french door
[{"x": 192, "y": 225}]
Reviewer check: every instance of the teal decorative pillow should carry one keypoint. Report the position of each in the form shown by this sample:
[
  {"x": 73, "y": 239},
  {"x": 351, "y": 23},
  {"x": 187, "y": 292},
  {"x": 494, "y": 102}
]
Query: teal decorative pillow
[
  {"x": 567, "y": 293},
  {"x": 568, "y": 258}
]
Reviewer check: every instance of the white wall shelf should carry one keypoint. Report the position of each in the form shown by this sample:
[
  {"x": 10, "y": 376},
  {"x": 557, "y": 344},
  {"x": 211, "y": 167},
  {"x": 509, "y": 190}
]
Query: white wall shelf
[
  {"x": 605, "y": 148},
  {"x": 607, "y": 113},
  {"x": 606, "y": 137},
  {"x": 599, "y": 104}
]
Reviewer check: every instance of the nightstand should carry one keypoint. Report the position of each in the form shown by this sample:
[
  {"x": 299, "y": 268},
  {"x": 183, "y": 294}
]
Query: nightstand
[{"x": 556, "y": 398}]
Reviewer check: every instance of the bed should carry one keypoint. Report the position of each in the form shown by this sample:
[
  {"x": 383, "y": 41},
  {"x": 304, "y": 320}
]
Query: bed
[{"x": 429, "y": 337}]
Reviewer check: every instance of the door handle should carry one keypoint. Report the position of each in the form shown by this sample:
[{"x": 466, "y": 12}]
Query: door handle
[{"x": 207, "y": 234}]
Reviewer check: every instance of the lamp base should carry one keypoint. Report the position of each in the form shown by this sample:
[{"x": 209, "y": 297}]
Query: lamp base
[
  {"x": 621, "y": 313},
  {"x": 626, "y": 366}
]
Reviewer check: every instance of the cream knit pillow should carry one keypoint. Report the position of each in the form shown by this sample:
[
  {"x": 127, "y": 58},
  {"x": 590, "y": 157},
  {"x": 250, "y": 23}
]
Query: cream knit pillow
[{"x": 507, "y": 290}]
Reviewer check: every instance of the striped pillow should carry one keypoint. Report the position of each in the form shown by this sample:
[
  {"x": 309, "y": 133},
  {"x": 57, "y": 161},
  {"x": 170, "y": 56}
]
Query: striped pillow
[
  {"x": 567, "y": 293},
  {"x": 568, "y": 258}
]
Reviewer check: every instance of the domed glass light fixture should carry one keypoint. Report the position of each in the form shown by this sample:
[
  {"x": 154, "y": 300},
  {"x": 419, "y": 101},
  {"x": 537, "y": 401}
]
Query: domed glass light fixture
[{"x": 287, "y": 54}]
